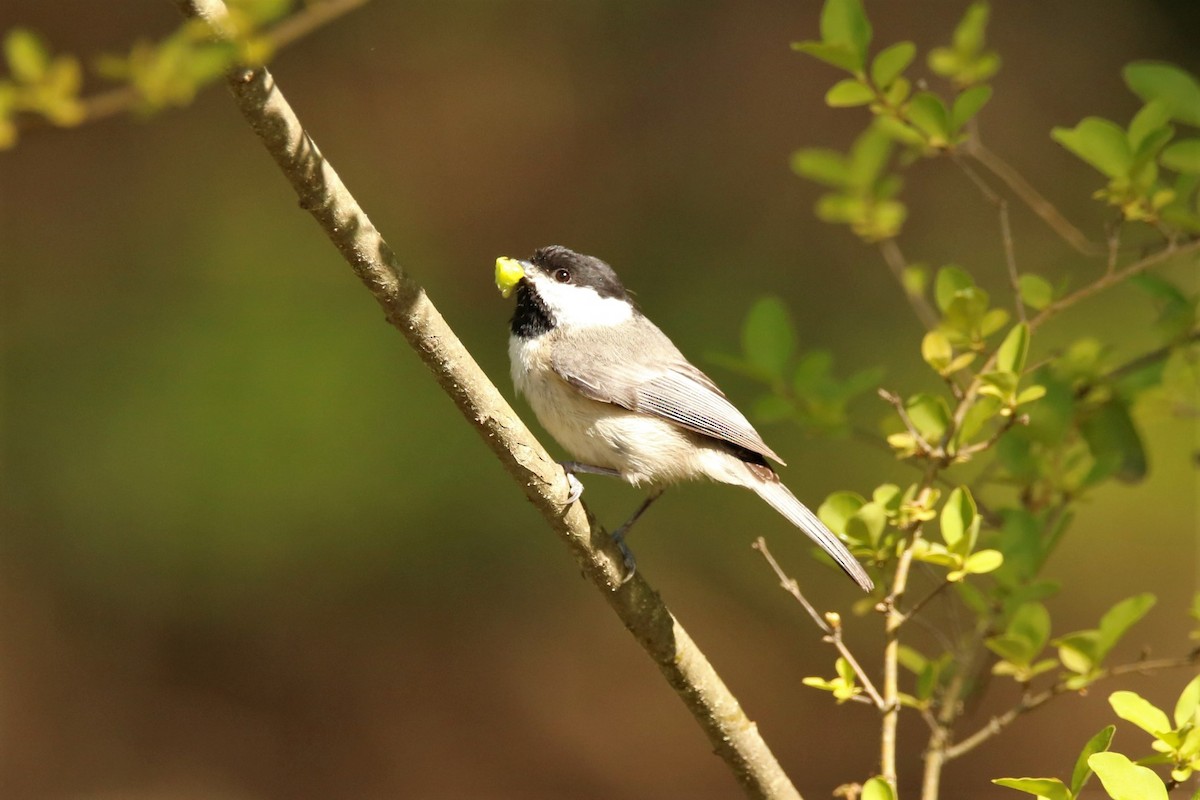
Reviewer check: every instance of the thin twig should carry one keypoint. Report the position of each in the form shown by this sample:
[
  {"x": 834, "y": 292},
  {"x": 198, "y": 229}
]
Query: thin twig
[
  {"x": 1010, "y": 259},
  {"x": 1030, "y": 702},
  {"x": 1114, "y": 277},
  {"x": 1009, "y": 421},
  {"x": 911, "y": 614},
  {"x": 925, "y": 447},
  {"x": 1141, "y": 362},
  {"x": 897, "y": 264},
  {"x": 891, "y": 668},
  {"x": 833, "y": 634},
  {"x": 1031, "y": 197},
  {"x": 406, "y": 306}
]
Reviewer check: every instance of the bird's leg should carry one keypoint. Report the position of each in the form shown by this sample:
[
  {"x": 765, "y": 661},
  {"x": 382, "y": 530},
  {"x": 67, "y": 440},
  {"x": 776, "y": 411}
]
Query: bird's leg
[
  {"x": 618, "y": 536},
  {"x": 571, "y": 467}
]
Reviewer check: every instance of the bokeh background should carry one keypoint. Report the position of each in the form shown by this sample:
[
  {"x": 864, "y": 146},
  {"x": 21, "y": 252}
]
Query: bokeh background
[{"x": 249, "y": 550}]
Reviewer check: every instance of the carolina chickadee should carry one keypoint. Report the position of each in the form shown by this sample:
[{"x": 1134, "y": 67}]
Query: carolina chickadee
[{"x": 614, "y": 391}]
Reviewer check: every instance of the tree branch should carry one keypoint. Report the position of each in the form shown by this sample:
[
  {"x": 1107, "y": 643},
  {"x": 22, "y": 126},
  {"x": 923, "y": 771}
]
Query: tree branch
[
  {"x": 406, "y": 306},
  {"x": 1029, "y": 702},
  {"x": 1113, "y": 277},
  {"x": 1031, "y": 197},
  {"x": 897, "y": 264}
]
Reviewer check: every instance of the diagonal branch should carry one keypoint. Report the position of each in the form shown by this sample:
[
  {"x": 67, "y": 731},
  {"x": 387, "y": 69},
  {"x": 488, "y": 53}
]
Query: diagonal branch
[{"x": 406, "y": 306}]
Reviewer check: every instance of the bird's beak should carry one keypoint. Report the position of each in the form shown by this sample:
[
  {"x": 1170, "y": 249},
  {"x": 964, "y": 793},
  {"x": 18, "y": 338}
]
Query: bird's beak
[{"x": 509, "y": 273}]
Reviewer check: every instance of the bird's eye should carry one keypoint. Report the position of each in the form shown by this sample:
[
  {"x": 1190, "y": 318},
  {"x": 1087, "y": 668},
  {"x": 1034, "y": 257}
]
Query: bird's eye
[{"x": 562, "y": 276}]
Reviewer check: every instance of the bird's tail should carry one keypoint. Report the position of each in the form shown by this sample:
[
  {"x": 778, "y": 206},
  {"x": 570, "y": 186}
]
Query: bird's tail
[{"x": 771, "y": 489}]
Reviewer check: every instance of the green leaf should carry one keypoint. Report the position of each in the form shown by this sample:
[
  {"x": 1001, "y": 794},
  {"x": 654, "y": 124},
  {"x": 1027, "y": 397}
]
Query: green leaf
[
  {"x": 868, "y": 156},
  {"x": 982, "y": 562},
  {"x": 1100, "y": 143},
  {"x": 890, "y": 62},
  {"x": 1134, "y": 708},
  {"x": 899, "y": 131},
  {"x": 967, "y": 105},
  {"x": 867, "y": 524},
  {"x": 877, "y": 789},
  {"x": 838, "y": 508},
  {"x": 1115, "y": 444},
  {"x": 1097, "y": 744},
  {"x": 929, "y": 114},
  {"x": 936, "y": 350},
  {"x": 1179, "y": 90},
  {"x": 841, "y": 55},
  {"x": 1124, "y": 780},
  {"x": 827, "y": 167},
  {"x": 949, "y": 282},
  {"x": 1014, "y": 350},
  {"x": 848, "y": 93},
  {"x": 1048, "y": 788},
  {"x": 26, "y": 54},
  {"x": 1153, "y": 117},
  {"x": 959, "y": 516},
  {"x": 845, "y": 22},
  {"x": 929, "y": 414},
  {"x": 969, "y": 34},
  {"x": 1120, "y": 618},
  {"x": 1188, "y": 704},
  {"x": 768, "y": 338},
  {"x": 1036, "y": 291},
  {"x": 1182, "y": 156}
]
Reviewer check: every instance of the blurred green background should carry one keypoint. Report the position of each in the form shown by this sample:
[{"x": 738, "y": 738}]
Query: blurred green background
[{"x": 251, "y": 551}]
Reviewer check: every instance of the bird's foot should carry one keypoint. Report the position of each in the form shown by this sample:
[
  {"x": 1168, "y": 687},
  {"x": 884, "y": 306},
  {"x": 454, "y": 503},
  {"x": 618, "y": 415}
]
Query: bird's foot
[
  {"x": 618, "y": 538},
  {"x": 574, "y": 486}
]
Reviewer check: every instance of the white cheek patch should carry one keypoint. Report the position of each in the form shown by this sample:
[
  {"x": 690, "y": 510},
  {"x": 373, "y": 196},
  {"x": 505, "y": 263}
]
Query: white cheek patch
[{"x": 581, "y": 306}]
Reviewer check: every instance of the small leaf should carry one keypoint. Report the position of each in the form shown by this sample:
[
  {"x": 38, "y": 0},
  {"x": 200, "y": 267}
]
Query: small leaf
[
  {"x": 1048, "y": 788},
  {"x": 845, "y": 22},
  {"x": 958, "y": 515},
  {"x": 936, "y": 350},
  {"x": 1159, "y": 81},
  {"x": 26, "y": 55},
  {"x": 968, "y": 104},
  {"x": 1014, "y": 350},
  {"x": 969, "y": 33},
  {"x": 1124, "y": 780},
  {"x": 827, "y": 167},
  {"x": 1188, "y": 704},
  {"x": 841, "y": 54},
  {"x": 1115, "y": 443},
  {"x": 929, "y": 114},
  {"x": 1030, "y": 393},
  {"x": 768, "y": 337},
  {"x": 838, "y": 508},
  {"x": 929, "y": 414},
  {"x": 1182, "y": 156},
  {"x": 1036, "y": 291},
  {"x": 848, "y": 93},
  {"x": 1153, "y": 117},
  {"x": 1134, "y": 708},
  {"x": 1100, "y": 143},
  {"x": 982, "y": 562},
  {"x": 950, "y": 280},
  {"x": 890, "y": 62},
  {"x": 1097, "y": 744},
  {"x": 1120, "y": 618}
]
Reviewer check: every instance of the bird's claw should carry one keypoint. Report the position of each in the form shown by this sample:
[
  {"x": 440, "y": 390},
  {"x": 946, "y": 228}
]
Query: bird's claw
[
  {"x": 576, "y": 488},
  {"x": 618, "y": 538}
]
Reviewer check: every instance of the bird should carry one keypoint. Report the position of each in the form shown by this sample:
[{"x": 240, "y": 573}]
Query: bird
[{"x": 622, "y": 400}]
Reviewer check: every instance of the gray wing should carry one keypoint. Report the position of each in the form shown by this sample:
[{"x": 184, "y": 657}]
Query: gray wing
[{"x": 647, "y": 373}]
